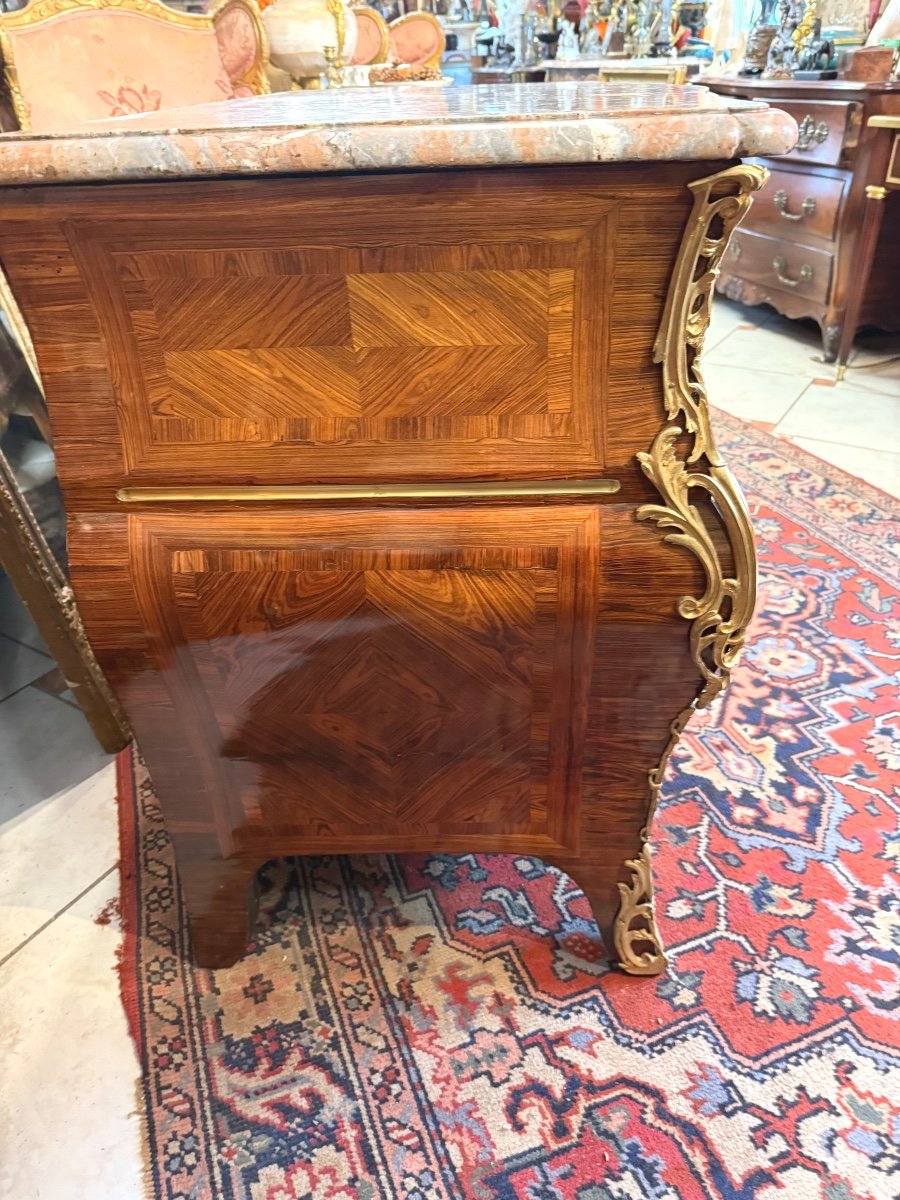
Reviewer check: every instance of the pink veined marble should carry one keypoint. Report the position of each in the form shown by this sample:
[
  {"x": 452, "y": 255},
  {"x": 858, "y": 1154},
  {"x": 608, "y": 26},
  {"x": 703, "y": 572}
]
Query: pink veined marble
[{"x": 406, "y": 127}]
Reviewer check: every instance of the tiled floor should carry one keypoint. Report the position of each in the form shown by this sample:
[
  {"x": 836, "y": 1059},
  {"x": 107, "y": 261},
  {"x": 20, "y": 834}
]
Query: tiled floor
[{"x": 69, "y": 1128}]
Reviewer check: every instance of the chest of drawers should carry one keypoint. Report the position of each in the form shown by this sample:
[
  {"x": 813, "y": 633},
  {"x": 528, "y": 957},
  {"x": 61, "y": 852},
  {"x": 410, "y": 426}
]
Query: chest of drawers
[
  {"x": 395, "y": 514},
  {"x": 811, "y": 246}
]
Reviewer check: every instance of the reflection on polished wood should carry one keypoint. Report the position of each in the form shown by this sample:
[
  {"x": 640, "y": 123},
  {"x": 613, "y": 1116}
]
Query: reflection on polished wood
[{"x": 378, "y": 582}]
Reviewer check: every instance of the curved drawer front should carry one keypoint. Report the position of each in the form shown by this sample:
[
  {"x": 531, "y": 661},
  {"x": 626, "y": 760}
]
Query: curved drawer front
[
  {"x": 793, "y": 204},
  {"x": 777, "y": 263},
  {"x": 367, "y": 329},
  {"x": 823, "y": 126}
]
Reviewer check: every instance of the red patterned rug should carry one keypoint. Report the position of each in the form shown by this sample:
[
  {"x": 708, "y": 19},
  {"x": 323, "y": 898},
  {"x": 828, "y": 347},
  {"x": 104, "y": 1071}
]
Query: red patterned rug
[{"x": 443, "y": 1028}]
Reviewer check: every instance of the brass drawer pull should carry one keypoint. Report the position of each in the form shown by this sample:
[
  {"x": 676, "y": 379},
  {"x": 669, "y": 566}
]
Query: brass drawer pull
[
  {"x": 808, "y": 132},
  {"x": 780, "y": 266},
  {"x": 808, "y": 207}
]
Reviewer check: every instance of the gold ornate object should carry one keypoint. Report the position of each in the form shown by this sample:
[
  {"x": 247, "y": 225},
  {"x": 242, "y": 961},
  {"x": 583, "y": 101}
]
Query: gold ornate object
[
  {"x": 875, "y": 191},
  {"x": 803, "y": 32},
  {"x": 38, "y": 11},
  {"x": 637, "y": 942},
  {"x": 336, "y": 8},
  {"x": 333, "y": 72},
  {"x": 718, "y": 617},
  {"x": 682, "y": 464},
  {"x": 434, "y": 60},
  {"x": 364, "y": 12}
]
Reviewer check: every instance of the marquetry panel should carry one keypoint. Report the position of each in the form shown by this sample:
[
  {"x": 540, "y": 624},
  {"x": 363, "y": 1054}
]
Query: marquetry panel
[
  {"x": 492, "y": 324},
  {"x": 382, "y": 672},
  {"x": 336, "y": 342}
]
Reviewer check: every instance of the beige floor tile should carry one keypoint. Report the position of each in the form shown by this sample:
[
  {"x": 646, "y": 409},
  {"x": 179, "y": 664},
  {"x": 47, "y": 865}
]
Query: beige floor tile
[
  {"x": 878, "y": 467},
  {"x": 46, "y": 747},
  {"x": 51, "y": 851},
  {"x": 779, "y": 347},
  {"x": 882, "y": 377},
  {"x": 850, "y": 416},
  {"x": 69, "y": 1128},
  {"x": 728, "y": 315},
  {"x": 19, "y": 665},
  {"x": 753, "y": 395}
]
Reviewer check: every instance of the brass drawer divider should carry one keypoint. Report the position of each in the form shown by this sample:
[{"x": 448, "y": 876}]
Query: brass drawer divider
[{"x": 386, "y": 491}]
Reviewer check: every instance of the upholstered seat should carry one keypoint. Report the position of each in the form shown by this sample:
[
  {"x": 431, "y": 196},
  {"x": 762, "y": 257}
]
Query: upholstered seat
[{"x": 84, "y": 60}]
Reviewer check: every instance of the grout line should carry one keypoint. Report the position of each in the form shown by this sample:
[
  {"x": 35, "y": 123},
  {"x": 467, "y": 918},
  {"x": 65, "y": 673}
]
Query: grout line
[
  {"x": 18, "y": 641},
  {"x": 22, "y": 689},
  {"x": 64, "y": 908},
  {"x": 849, "y": 445},
  {"x": 790, "y": 408}
]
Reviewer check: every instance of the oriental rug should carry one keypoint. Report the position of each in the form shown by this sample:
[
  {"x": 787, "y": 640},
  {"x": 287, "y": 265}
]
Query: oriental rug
[{"x": 445, "y": 1028}]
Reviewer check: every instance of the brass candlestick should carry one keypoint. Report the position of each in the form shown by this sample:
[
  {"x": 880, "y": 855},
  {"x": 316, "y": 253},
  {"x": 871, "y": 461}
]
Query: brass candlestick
[{"x": 333, "y": 72}]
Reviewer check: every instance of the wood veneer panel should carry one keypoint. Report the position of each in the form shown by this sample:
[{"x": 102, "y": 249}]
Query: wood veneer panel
[
  {"x": 436, "y": 326},
  {"x": 535, "y": 647}
]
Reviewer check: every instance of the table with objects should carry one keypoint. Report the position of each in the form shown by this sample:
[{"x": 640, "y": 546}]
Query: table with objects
[{"x": 396, "y": 519}]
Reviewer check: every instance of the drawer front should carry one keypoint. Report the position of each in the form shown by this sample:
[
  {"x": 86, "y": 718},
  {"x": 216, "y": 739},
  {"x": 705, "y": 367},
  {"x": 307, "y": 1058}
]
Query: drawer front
[
  {"x": 793, "y": 204},
  {"x": 495, "y": 325},
  {"x": 379, "y": 673},
  {"x": 780, "y": 264},
  {"x": 822, "y": 126}
]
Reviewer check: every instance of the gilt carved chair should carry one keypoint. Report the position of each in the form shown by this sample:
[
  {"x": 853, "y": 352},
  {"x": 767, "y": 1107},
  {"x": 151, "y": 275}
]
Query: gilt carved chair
[{"x": 68, "y": 62}]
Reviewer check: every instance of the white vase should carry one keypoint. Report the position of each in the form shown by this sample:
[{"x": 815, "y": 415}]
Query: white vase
[{"x": 298, "y": 32}]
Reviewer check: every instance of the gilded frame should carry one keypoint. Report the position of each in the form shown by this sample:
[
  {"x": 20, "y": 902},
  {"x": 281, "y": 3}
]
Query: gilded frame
[
  {"x": 435, "y": 59},
  {"x": 36, "y": 12},
  {"x": 360, "y": 8}
]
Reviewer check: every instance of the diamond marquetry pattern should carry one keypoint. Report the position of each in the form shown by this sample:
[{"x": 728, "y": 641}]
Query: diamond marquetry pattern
[
  {"x": 368, "y": 676},
  {"x": 328, "y": 356},
  {"x": 332, "y": 343},
  {"x": 379, "y": 700}
]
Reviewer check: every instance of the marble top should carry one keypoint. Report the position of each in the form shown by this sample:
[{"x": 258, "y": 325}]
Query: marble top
[{"x": 408, "y": 126}]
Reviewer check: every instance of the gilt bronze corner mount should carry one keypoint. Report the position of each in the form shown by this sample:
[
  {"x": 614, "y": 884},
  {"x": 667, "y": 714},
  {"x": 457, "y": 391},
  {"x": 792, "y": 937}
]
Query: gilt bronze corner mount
[{"x": 684, "y": 466}]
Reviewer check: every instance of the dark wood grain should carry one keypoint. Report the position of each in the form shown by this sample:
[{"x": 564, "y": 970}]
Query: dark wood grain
[
  {"x": 756, "y": 256},
  {"x": 490, "y": 675}
]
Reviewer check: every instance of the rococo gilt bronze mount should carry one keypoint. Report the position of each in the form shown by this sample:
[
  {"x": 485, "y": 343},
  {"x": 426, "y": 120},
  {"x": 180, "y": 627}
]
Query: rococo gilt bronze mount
[{"x": 683, "y": 464}]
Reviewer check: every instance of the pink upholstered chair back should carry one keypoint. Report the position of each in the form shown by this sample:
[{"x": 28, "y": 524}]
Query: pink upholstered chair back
[
  {"x": 372, "y": 38},
  {"x": 109, "y": 58},
  {"x": 417, "y": 38}
]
